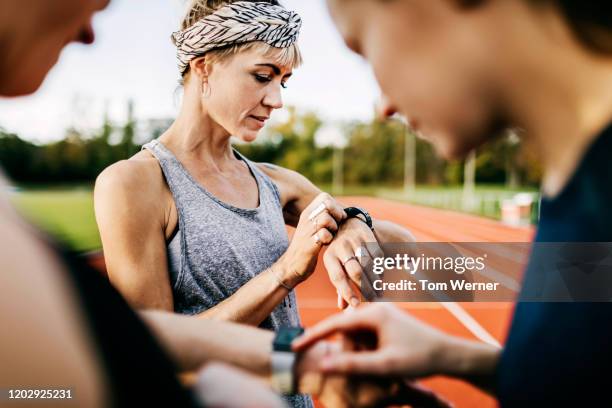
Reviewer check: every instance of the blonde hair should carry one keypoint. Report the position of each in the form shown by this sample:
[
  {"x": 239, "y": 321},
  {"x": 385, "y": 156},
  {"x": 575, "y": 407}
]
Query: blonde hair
[{"x": 198, "y": 9}]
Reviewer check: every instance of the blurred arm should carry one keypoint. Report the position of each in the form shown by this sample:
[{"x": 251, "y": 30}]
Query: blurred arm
[
  {"x": 43, "y": 343},
  {"x": 194, "y": 342}
]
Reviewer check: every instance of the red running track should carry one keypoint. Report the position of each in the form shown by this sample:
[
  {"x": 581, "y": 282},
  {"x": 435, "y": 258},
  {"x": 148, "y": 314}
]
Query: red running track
[{"x": 317, "y": 297}]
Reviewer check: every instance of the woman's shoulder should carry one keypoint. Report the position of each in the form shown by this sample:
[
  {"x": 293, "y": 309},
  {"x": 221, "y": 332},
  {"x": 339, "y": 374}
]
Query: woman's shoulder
[
  {"x": 138, "y": 180},
  {"x": 141, "y": 170}
]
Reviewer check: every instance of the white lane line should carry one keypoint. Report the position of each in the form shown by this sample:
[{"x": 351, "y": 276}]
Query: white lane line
[{"x": 470, "y": 323}]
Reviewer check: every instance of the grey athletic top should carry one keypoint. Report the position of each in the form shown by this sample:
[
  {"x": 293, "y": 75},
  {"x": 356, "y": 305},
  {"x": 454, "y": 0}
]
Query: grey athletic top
[{"x": 217, "y": 248}]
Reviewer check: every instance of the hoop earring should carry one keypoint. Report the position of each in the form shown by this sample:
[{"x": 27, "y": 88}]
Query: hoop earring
[{"x": 205, "y": 92}]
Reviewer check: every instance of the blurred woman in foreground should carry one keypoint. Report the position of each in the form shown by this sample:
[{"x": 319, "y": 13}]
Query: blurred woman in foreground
[{"x": 462, "y": 71}]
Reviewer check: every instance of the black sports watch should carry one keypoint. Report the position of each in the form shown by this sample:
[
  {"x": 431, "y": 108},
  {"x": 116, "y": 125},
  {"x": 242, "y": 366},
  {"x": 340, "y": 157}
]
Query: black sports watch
[
  {"x": 356, "y": 212},
  {"x": 283, "y": 360}
]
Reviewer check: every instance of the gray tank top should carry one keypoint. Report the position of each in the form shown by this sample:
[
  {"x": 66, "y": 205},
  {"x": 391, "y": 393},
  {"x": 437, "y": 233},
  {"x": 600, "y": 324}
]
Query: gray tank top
[{"x": 217, "y": 248}]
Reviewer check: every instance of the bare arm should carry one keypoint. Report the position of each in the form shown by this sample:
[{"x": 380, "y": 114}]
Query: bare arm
[
  {"x": 43, "y": 343},
  {"x": 195, "y": 342},
  {"x": 345, "y": 275},
  {"x": 297, "y": 192},
  {"x": 133, "y": 224}
]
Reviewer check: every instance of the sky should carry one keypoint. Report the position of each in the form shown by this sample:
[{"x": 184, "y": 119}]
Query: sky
[{"x": 133, "y": 58}]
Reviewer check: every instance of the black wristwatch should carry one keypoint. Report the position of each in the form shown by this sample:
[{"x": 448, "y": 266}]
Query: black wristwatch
[
  {"x": 283, "y": 360},
  {"x": 356, "y": 212}
]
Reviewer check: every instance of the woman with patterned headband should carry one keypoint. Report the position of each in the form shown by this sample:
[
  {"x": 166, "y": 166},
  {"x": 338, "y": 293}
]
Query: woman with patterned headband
[{"x": 190, "y": 225}]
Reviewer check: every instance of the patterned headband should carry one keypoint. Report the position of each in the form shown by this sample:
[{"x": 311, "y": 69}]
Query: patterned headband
[{"x": 236, "y": 23}]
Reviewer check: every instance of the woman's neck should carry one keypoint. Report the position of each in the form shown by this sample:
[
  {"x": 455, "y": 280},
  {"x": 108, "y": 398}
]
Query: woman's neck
[
  {"x": 195, "y": 135},
  {"x": 562, "y": 131},
  {"x": 562, "y": 98}
]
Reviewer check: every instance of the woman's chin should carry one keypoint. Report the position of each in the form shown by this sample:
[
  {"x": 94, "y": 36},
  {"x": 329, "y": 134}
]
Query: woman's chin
[{"x": 247, "y": 136}]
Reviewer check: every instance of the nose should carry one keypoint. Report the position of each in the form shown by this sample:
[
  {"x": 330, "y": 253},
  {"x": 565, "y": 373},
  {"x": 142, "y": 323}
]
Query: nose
[
  {"x": 273, "y": 97},
  {"x": 385, "y": 108},
  {"x": 86, "y": 34}
]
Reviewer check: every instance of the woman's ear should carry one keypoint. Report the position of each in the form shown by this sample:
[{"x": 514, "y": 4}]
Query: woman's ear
[{"x": 200, "y": 68}]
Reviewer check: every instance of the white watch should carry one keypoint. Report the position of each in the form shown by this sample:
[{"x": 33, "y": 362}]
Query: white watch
[
  {"x": 283, "y": 360},
  {"x": 283, "y": 364}
]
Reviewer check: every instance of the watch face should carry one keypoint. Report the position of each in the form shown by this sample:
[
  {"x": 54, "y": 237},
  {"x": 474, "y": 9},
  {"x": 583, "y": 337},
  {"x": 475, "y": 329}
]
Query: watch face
[{"x": 285, "y": 336}]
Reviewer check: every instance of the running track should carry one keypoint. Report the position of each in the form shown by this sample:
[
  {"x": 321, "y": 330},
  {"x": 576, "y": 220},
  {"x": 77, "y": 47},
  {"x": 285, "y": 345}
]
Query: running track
[{"x": 484, "y": 321}]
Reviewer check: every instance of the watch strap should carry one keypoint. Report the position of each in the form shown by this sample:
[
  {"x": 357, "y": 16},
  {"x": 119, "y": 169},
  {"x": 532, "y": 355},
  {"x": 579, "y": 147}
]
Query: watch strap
[{"x": 355, "y": 212}]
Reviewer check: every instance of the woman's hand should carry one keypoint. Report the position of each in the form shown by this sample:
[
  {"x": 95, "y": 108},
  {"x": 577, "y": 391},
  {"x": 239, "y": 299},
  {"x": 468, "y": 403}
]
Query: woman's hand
[
  {"x": 359, "y": 391},
  {"x": 317, "y": 225},
  {"x": 343, "y": 264},
  {"x": 398, "y": 345},
  {"x": 405, "y": 346}
]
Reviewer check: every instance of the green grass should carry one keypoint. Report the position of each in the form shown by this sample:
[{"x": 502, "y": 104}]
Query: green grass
[{"x": 64, "y": 213}]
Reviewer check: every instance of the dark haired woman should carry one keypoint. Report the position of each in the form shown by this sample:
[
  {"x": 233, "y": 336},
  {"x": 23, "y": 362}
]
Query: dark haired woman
[{"x": 461, "y": 71}]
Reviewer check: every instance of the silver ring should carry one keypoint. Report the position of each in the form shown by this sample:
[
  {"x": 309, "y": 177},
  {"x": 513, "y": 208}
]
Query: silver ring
[
  {"x": 318, "y": 210},
  {"x": 316, "y": 238},
  {"x": 360, "y": 252},
  {"x": 350, "y": 258}
]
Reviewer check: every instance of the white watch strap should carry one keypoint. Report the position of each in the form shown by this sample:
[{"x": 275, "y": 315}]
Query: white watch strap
[{"x": 282, "y": 372}]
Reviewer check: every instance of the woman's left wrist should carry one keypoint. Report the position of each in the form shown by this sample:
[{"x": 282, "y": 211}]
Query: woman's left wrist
[
  {"x": 286, "y": 274},
  {"x": 463, "y": 358}
]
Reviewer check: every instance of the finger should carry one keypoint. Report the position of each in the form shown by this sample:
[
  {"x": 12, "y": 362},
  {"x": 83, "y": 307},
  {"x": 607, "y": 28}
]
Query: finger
[
  {"x": 338, "y": 278},
  {"x": 367, "y": 290},
  {"x": 374, "y": 250},
  {"x": 317, "y": 205},
  {"x": 335, "y": 210},
  {"x": 360, "y": 318},
  {"x": 364, "y": 257},
  {"x": 324, "y": 237},
  {"x": 362, "y": 362},
  {"x": 314, "y": 212},
  {"x": 319, "y": 199},
  {"x": 320, "y": 238},
  {"x": 353, "y": 269},
  {"x": 367, "y": 275},
  {"x": 331, "y": 205},
  {"x": 341, "y": 302},
  {"x": 324, "y": 220},
  {"x": 366, "y": 285}
]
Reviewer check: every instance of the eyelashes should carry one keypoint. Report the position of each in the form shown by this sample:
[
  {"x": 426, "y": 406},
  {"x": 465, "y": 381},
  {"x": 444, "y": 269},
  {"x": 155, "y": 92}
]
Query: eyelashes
[{"x": 265, "y": 79}]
